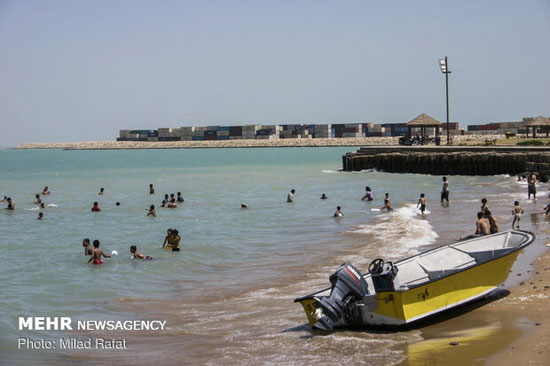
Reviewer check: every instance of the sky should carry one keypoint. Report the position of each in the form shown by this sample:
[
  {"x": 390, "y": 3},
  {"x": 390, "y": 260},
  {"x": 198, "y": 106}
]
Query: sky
[{"x": 81, "y": 70}]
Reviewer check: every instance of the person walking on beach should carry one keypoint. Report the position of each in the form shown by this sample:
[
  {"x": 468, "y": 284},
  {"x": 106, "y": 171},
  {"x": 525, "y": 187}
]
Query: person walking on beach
[
  {"x": 493, "y": 222},
  {"x": 96, "y": 208},
  {"x": 152, "y": 211},
  {"x": 338, "y": 212},
  {"x": 290, "y": 197},
  {"x": 422, "y": 203},
  {"x": 368, "y": 195},
  {"x": 151, "y": 189},
  {"x": 387, "y": 203},
  {"x": 517, "y": 212},
  {"x": 445, "y": 190},
  {"x": 484, "y": 206},
  {"x": 482, "y": 225},
  {"x": 97, "y": 254},
  {"x": 532, "y": 186}
]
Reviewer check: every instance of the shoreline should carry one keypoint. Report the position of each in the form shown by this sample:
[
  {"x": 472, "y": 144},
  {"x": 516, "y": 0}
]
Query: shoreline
[{"x": 295, "y": 142}]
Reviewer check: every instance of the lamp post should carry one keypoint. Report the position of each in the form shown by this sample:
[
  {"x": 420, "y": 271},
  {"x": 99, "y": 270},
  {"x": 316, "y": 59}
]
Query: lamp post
[{"x": 445, "y": 69}]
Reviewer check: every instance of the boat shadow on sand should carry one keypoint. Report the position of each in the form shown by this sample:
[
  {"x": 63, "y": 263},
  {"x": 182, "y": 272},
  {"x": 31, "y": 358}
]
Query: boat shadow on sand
[{"x": 455, "y": 312}]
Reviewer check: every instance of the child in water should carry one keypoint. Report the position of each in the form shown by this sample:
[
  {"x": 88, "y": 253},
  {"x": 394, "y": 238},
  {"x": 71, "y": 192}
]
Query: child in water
[
  {"x": 40, "y": 216},
  {"x": 138, "y": 255},
  {"x": 387, "y": 203},
  {"x": 422, "y": 203},
  {"x": 338, "y": 212},
  {"x": 152, "y": 211},
  {"x": 97, "y": 254},
  {"x": 517, "y": 212},
  {"x": 368, "y": 195}
]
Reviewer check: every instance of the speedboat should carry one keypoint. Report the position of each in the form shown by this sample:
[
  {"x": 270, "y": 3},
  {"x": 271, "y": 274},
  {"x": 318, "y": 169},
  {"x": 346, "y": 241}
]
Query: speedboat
[{"x": 416, "y": 287}]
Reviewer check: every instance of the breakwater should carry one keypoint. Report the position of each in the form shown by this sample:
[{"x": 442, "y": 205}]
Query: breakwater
[{"x": 451, "y": 160}]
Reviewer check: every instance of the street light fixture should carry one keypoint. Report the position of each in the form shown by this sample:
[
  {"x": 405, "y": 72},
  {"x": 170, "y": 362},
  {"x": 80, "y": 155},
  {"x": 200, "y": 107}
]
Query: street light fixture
[{"x": 445, "y": 69}]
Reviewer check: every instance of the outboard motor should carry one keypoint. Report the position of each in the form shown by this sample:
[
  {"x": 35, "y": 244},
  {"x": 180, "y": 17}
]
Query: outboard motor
[
  {"x": 383, "y": 275},
  {"x": 348, "y": 285}
]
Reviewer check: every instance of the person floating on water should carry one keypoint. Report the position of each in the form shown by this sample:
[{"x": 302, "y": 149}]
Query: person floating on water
[
  {"x": 167, "y": 237},
  {"x": 338, "y": 212},
  {"x": 38, "y": 200},
  {"x": 138, "y": 255},
  {"x": 517, "y": 211},
  {"x": 244, "y": 205},
  {"x": 387, "y": 203},
  {"x": 482, "y": 225},
  {"x": 290, "y": 196},
  {"x": 152, "y": 211},
  {"x": 46, "y": 191},
  {"x": 180, "y": 197},
  {"x": 40, "y": 216},
  {"x": 151, "y": 189},
  {"x": 324, "y": 196},
  {"x": 493, "y": 222},
  {"x": 484, "y": 206},
  {"x": 97, "y": 254},
  {"x": 422, "y": 203},
  {"x": 368, "y": 194},
  {"x": 11, "y": 204},
  {"x": 96, "y": 207},
  {"x": 101, "y": 191},
  {"x": 445, "y": 190},
  {"x": 532, "y": 186},
  {"x": 87, "y": 247}
]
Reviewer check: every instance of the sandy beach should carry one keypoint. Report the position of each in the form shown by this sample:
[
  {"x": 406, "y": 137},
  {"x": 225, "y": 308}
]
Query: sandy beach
[{"x": 319, "y": 142}]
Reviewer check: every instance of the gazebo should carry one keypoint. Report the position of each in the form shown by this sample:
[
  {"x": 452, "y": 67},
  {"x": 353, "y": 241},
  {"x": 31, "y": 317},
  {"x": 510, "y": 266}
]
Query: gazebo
[
  {"x": 539, "y": 121},
  {"x": 423, "y": 121}
]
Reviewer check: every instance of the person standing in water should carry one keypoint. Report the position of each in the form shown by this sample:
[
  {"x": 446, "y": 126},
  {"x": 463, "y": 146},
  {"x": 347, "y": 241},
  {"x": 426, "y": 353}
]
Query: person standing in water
[
  {"x": 152, "y": 211},
  {"x": 101, "y": 191},
  {"x": 324, "y": 196},
  {"x": 445, "y": 190},
  {"x": 422, "y": 203},
  {"x": 97, "y": 254},
  {"x": 46, "y": 191},
  {"x": 40, "y": 216},
  {"x": 387, "y": 203},
  {"x": 338, "y": 212},
  {"x": 368, "y": 195},
  {"x": 517, "y": 211},
  {"x": 96, "y": 208},
  {"x": 38, "y": 200},
  {"x": 151, "y": 189},
  {"x": 167, "y": 237},
  {"x": 11, "y": 204},
  {"x": 87, "y": 247},
  {"x": 180, "y": 197},
  {"x": 290, "y": 196},
  {"x": 532, "y": 186}
]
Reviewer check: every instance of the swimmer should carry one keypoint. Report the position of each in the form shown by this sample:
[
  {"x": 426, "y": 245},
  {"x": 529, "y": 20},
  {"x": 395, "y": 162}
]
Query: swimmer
[
  {"x": 484, "y": 206},
  {"x": 172, "y": 203},
  {"x": 338, "y": 212},
  {"x": 180, "y": 197},
  {"x": 42, "y": 205},
  {"x": 324, "y": 196},
  {"x": 96, "y": 207},
  {"x": 368, "y": 195},
  {"x": 482, "y": 225},
  {"x": 163, "y": 203},
  {"x": 290, "y": 197},
  {"x": 152, "y": 211},
  {"x": 40, "y": 216},
  {"x": 166, "y": 198},
  {"x": 46, "y": 191},
  {"x": 493, "y": 222},
  {"x": 151, "y": 189},
  {"x": 101, "y": 191},
  {"x": 174, "y": 241},
  {"x": 445, "y": 190},
  {"x": 172, "y": 197},
  {"x": 97, "y": 254},
  {"x": 244, "y": 206},
  {"x": 38, "y": 200},
  {"x": 5, "y": 199},
  {"x": 517, "y": 211},
  {"x": 87, "y": 247},
  {"x": 11, "y": 204},
  {"x": 117, "y": 204},
  {"x": 168, "y": 236},
  {"x": 138, "y": 255},
  {"x": 387, "y": 203},
  {"x": 422, "y": 203}
]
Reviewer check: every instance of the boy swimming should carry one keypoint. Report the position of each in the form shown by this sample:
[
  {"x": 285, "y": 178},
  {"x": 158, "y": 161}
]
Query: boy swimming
[{"x": 138, "y": 255}]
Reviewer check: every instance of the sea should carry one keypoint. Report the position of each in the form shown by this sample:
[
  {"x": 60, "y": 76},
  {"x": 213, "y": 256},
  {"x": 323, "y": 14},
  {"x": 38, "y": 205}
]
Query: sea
[{"x": 227, "y": 296}]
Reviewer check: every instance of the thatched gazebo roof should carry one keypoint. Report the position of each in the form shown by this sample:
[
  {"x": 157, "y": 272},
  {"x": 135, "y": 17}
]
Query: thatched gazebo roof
[
  {"x": 539, "y": 121},
  {"x": 424, "y": 120}
]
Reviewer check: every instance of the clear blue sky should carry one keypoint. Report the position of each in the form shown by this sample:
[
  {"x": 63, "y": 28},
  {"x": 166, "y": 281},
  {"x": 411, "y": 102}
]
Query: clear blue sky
[{"x": 82, "y": 70}]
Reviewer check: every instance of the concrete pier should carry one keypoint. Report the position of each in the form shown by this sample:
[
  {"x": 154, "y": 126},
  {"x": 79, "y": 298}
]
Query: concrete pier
[{"x": 451, "y": 160}]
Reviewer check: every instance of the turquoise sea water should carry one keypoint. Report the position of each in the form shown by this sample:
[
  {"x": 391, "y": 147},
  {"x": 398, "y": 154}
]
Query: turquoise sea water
[{"x": 225, "y": 250}]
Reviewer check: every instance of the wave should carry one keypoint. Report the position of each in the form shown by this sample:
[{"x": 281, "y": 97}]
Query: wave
[
  {"x": 401, "y": 231},
  {"x": 51, "y": 205}
]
